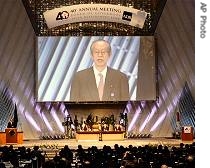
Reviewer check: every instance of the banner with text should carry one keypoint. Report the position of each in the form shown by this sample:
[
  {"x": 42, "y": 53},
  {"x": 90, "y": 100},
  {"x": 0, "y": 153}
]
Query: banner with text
[{"x": 95, "y": 12}]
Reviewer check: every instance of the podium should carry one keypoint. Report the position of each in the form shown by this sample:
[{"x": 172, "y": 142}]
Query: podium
[
  {"x": 2, "y": 138},
  {"x": 187, "y": 133},
  {"x": 11, "y": 135}
]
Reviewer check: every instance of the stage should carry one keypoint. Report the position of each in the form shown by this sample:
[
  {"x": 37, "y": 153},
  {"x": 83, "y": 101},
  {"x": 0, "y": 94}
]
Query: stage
[{"x": 73, "y": 143}]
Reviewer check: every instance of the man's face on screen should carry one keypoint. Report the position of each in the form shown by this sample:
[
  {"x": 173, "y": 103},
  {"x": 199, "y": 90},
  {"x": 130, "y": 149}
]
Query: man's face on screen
[{"x": 100, "y": 54}]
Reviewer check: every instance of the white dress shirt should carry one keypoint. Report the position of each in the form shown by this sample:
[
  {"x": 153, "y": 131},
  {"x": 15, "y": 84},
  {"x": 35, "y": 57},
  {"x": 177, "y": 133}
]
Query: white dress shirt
[{"x": 97, "y": 77}]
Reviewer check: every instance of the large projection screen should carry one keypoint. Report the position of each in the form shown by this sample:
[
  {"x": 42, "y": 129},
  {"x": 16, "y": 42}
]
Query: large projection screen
[{"x": 58, "y": 58}]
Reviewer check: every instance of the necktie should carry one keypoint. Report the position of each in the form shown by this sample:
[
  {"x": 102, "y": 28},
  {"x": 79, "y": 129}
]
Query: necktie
[{"x": 101, "y": 86}]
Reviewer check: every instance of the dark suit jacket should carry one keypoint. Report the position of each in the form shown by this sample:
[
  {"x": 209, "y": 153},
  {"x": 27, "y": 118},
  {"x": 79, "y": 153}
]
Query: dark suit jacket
[
  {"x": 11, "y": 125},
  {"x": 83, "y": 87}
]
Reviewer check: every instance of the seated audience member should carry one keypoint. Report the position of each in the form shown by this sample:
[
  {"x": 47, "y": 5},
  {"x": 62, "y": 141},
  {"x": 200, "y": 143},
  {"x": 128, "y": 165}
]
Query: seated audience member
[{"x": 66, "y": 153}]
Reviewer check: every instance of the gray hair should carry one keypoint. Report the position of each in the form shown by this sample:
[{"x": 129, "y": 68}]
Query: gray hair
[{"x": 100, "y": 40}]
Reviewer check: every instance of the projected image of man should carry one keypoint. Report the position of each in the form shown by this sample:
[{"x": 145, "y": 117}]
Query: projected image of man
[{"x": 99, "y": 82}]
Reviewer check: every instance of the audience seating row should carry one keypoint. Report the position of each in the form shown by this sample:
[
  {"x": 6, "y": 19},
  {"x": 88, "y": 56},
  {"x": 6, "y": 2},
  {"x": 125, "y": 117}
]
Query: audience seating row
[{"x": 148, "y": 156}]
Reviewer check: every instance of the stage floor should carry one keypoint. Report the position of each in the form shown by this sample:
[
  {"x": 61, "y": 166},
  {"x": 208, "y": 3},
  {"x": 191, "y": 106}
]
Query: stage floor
[{"x": 73, "y": 144}]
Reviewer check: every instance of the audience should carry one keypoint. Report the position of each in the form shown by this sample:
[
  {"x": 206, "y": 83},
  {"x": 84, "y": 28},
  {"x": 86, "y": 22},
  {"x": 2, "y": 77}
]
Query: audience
[{"x": 147, "y": 156}]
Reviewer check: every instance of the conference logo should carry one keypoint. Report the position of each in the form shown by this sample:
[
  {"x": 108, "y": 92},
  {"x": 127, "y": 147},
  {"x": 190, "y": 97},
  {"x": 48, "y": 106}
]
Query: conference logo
[
  {"x": 62, "y": 15},
  {"x": 135, "y": 19},
  {"x": 127, "y": 16}
]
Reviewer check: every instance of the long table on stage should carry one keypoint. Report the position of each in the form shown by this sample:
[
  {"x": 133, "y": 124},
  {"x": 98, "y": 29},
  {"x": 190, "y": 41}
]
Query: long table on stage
[{"x": 100, "y": 135}]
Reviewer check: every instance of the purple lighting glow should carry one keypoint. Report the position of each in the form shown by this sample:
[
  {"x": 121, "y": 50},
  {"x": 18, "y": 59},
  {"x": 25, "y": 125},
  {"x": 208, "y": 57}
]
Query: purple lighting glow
[
  {"x": 63, "y": 110},
  {"x": 53, "y": 111},
  {"x": 33, "y": 123},
  {"x": 136, "y": 115},
  {"x": 160, "y": 119},
  {"x": 149, "y": 117},
  {"x": 46, "y": 122}
]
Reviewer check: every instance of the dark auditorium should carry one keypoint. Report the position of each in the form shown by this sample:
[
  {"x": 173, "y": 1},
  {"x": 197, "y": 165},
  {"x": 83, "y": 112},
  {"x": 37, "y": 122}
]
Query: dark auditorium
[{"x": 97, "y": 84}]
